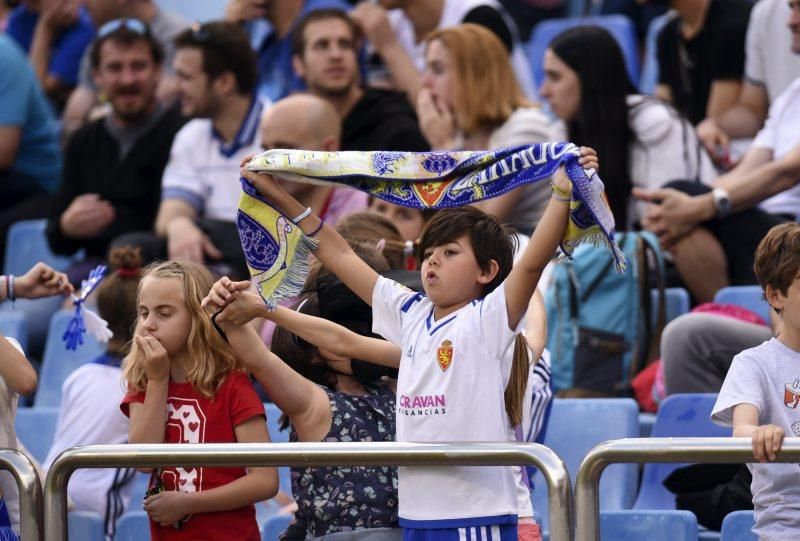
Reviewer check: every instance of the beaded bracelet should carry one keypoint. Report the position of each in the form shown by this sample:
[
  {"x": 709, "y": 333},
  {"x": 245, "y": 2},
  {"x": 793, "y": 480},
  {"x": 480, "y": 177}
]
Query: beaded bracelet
[{"x": 300, "y": 217}]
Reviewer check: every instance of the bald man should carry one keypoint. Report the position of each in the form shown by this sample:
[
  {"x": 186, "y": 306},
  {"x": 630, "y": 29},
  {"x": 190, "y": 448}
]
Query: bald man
[{"x": 304, "y": 121}]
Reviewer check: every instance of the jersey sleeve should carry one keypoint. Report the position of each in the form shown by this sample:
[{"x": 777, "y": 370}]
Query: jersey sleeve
[
  {"x": 181, "y": 178},
  {"x": 16, "y": 88},
  {"x": 390, "y": 303},
  {"x": 754, "y": 61},
  {"x": 492, "y": 329},
  {"x": 767, "y": 136},
  {"x": 131, "y": 396},
  {"x": 244, "y": 402},
  {"x": 743, "y": 385}
]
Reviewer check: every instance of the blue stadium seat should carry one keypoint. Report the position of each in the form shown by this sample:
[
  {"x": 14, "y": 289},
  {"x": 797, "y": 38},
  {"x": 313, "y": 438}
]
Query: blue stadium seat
[
  {"x": 58, "y": 362},
  {"x": 140, "y": 483},
  {"x": 619, "y": 26},
  {"x": 274, "y": 526},
  {"x": 749, "y": 297},
  {"x": 35, "y": 428},
  {"x": 132, "y": 526},
  {"x": 278, "y": 436},
  {"x": 26, "y": 245},
  {"x": 738, "y": 526},
  {"x": 650, "y": 525},
  {"x": 14, "y": 325},
  {"x": 679, "y": 415},
  {"x": 676, "y": 301},
  {"x": 575, "y": 426},
  {"x": 85, "y": 526},
  {"x": 649, "y": 77},
  {"x": 207, "y": 10}
]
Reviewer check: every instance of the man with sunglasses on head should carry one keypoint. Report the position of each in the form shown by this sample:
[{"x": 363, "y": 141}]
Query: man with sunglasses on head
[
  {"x": 217, "y": 76},
  {"x": 113, "y": 166},
  {"x": 163, "y": 24}
]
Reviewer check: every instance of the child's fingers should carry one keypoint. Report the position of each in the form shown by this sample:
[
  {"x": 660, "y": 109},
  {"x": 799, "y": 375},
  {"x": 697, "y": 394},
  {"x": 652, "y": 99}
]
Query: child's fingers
[
  {"x": 777, "y": 440},
  {"x": 244, "y": 285},
  {"x": 758, "y": 446},
  {"x": 246, "y": 160}
]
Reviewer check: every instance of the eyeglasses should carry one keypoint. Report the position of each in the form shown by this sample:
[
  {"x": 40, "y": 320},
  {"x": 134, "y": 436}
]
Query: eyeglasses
[{"x": 134, "y": 25}]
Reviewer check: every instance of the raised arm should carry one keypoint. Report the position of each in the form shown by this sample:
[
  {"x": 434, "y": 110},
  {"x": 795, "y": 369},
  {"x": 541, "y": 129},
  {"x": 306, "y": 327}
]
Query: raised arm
[
  {"x": 241, "y": 307},
  {"x": 524, "y": 276},
  {"x": 333, "y": 251},
  {"x": 304, "y": 402},
  {"x": 149, "y": 419}
]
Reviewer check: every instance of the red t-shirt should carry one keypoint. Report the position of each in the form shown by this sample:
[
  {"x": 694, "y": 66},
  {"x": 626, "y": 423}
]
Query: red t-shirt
[{"x": 193, "y": 418}]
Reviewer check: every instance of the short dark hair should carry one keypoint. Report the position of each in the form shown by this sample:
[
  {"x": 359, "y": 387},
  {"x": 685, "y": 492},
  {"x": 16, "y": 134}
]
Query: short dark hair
[
  {"x": 224, "y": 46},
  {"x": 777, "y": 261},
  {"x": 489, "y": 239},
  {"x": 298, "y": 32},
  {"x": 126, "y": 37}
]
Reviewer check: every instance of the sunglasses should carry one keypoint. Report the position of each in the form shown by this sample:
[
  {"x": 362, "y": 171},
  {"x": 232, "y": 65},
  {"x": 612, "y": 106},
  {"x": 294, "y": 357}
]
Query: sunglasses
[{"x": 134, "y": 25}]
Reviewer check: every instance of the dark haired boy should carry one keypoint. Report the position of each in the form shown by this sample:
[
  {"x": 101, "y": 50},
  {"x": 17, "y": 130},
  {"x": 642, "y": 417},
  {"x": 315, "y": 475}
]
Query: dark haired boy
[
  {"x": 761, "y": 392},
  {"x": 455, "y": 341}
]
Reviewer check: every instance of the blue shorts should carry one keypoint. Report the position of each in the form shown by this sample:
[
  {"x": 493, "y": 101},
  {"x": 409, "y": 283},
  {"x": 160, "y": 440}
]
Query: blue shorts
[{"x": 495, "y": 532}]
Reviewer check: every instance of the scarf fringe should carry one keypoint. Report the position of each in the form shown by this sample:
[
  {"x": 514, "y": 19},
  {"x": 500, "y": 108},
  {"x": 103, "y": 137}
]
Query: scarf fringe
[{"x": 294, "y": 280}]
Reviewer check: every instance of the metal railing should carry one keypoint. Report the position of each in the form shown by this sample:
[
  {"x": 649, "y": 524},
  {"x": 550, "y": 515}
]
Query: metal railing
[
  {"x": 645, "y": 450},
  {"x": 30, "y": 492},
  {"x": 309, "y": 454}
]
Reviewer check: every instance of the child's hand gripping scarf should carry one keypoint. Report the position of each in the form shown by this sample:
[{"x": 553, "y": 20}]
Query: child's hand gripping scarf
[{"x": 426, "y": 180}]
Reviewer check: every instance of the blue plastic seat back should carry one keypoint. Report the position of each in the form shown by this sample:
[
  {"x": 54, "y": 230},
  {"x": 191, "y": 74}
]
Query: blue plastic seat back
[
  {"x": 619, "y": 26},
  {"x": 14, "y": 325},
  {"x": 35, "y": 428},
  {"x": 132, "y": 526},
  {"x": 738, "y": 526},
  {"x": 26, "y": 244},
  {"x": 58, "y": 362},
  {"x": 85, "y": 526},
  {"x": 679, "y": 415},
  {"x": 649, "y": 77},
  {"x": 279, "y": 436},
  {"x": 274, "y": 526},
  {"x": 575, "y": 426},
  {"x": 750, "y": 297},
  {"x": 676, "y": 300},
  {"x": 651, "y": 525}
]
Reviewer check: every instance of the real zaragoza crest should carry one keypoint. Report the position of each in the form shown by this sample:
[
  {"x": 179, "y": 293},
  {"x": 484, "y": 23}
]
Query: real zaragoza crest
[{"x": 444, "y": 355}]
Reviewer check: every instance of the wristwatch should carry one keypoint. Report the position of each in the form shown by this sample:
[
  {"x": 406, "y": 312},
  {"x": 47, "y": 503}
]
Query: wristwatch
[{"x": 722, "y": 202}]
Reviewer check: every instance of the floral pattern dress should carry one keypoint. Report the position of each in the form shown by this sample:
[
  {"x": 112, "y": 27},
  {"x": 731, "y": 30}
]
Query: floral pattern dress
[{"x": 338, "y": 499}]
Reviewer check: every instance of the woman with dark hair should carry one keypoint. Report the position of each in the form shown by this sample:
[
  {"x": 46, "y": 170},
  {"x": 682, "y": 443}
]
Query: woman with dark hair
[{"x": 643, "y": 141}]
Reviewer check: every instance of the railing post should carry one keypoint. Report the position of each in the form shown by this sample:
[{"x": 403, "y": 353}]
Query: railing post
[
  {"x": 310, "y": 454},
  {"x": 646, "y": 450},
  {"x": 30, "y": 493}
]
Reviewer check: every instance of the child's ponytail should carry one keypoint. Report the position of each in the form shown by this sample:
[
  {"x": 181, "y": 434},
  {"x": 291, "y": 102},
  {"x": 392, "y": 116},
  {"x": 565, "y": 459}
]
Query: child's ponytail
[
  {"x": 116, "y": 296},
  {"x": 517, "y": 381}
]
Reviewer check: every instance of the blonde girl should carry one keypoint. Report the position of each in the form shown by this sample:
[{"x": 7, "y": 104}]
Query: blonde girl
[{"x": 185, "y": 385}]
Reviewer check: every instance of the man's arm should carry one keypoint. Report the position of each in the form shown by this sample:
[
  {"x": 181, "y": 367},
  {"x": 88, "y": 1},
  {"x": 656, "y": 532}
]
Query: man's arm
[
  {"x": 170, "y": 210},
  {"x": 375, "y": 24},
  {"x": 747, "y": 116},
  {"x": 755, "y": 179},
  {"x": 723, "y": 95},
  {"x": 10, "y": 137},
  {"x": 663, "y": 91}
]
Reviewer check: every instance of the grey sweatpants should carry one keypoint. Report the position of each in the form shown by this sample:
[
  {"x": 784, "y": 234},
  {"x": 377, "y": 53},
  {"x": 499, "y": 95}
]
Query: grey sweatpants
[{"x": 697, "y": 350}]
